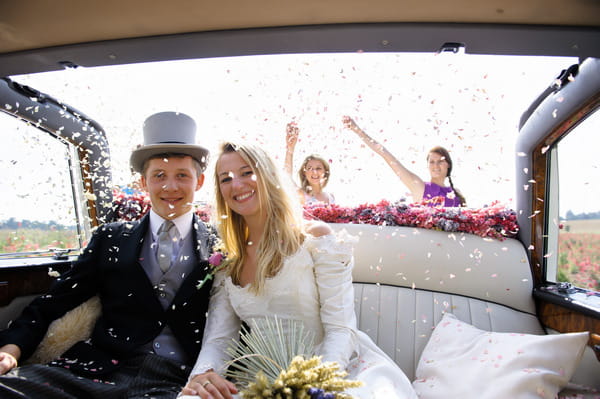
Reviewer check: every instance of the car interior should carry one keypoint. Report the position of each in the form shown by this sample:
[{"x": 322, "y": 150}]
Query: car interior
[{"x": 69, "y": 110}]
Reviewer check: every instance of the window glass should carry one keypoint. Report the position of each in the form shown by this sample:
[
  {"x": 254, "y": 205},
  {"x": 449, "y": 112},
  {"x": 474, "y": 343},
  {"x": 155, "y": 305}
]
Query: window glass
[
  {"x": 37, "y": 210},
  {"x": 579, "y": 198}
]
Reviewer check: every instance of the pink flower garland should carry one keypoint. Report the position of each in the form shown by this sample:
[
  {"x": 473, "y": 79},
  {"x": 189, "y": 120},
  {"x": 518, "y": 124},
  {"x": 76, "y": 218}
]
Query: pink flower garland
[
  {"x": 494, "y": 221},
  {"x": 129, "y": 207}
]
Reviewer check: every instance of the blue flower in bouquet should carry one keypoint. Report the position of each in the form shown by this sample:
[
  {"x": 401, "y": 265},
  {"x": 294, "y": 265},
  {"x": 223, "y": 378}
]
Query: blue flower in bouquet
[{"x": 319, "y": 393}]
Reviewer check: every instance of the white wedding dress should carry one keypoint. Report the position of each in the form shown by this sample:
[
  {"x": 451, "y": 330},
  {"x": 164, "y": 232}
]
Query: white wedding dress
[{"x": 315, "y": 287}]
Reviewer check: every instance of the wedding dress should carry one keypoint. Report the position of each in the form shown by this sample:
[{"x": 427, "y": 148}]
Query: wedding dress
[{"x": 313, "y": 286}]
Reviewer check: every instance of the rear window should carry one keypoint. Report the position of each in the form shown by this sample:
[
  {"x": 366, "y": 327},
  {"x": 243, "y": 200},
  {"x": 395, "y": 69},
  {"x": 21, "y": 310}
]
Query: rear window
[{"x": 470, "y": 104}]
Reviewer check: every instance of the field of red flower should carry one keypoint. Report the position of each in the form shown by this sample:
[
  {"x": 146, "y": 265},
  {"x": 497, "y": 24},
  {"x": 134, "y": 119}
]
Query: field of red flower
[
  {"x": 30, "y": 240},
  {"x": 579, "y": 259}
]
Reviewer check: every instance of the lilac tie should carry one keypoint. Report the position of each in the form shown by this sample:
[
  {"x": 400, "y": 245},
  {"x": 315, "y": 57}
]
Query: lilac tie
[{"x": 166, "y": 237}]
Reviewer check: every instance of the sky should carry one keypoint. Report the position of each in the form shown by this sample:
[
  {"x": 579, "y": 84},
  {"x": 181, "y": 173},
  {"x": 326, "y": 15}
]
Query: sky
[{"x": 470, "y": 104}]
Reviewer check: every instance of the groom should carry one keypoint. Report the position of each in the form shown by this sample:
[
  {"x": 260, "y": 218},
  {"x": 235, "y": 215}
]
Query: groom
[{"x": 145, "y": 273}]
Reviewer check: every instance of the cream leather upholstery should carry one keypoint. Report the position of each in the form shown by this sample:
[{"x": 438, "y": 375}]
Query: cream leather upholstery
[
  {"x": 400, "y": 320},
  {"x": 405, "y": 278},
  {"x": 455, "y": 263}
]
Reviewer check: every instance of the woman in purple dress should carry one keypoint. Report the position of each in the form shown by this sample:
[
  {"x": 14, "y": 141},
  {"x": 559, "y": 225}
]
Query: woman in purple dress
[{"x": 432, "y": 193}]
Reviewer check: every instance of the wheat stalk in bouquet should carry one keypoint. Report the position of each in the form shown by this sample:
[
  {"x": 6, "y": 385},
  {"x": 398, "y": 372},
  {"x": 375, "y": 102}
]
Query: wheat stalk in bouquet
[{"x": 271, "y": 361}]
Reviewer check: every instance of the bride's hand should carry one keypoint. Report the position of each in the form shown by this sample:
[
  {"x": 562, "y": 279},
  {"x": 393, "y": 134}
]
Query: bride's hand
[{"x": 209, "y": 385}]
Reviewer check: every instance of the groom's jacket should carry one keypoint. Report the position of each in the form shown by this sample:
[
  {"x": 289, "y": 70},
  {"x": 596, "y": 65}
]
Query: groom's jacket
[{"x": 131, "y": 313}]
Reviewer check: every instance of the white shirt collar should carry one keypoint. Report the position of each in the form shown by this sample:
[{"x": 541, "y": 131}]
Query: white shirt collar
[{"x": 183, "y": 223}]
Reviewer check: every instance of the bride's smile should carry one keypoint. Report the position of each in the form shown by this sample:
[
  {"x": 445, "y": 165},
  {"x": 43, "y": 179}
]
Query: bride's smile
[
  {"x": 244, "y": 197},
  {"x": 238, "y": 184}
]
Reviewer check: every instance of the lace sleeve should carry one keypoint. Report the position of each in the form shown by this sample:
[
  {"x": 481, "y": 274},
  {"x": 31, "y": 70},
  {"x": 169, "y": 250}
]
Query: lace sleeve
[
  {"x": 333, "y": 262},
  {"x": 222, "y": 329}
]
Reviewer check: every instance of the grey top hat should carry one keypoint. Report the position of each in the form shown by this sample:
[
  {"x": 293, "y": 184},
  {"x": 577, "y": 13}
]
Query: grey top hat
[{"x": 168, "y": 132}]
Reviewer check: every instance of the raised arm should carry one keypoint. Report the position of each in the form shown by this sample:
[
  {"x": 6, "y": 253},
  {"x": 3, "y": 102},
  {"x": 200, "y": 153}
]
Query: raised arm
[
  {"x": 414, "y": 183},
  {"x": 291, "y": 138}
]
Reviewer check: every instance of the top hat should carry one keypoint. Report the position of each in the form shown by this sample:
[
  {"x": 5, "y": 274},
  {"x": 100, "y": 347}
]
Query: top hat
[{"x": 168, "y": 132}]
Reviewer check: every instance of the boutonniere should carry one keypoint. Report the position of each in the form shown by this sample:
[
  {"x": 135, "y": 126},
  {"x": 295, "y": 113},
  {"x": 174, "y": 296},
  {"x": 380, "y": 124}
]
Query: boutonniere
[{"x": 216, "y": 262}]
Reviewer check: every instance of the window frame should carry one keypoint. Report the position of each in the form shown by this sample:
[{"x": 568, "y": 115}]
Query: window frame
[
  {"x": 41, "y": 256},
  {"x": 540, "y": 131},
  {"x": 89, "y": 155}
]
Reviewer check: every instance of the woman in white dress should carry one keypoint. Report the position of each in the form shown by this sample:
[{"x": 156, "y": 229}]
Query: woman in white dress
[
  {"x": 278, "y": 265},
  {"x": 313, "y": 173}
]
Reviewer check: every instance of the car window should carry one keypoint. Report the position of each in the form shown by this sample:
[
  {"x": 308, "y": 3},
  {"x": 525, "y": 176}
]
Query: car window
[
  {"x": 38, "y": 210},
  {"x": 469, "y": 104},
  {"x": 577, "y": 238}
]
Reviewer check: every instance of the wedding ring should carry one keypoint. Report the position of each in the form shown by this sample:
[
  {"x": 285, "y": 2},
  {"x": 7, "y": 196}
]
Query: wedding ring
[{"x": 204, "y": 384}]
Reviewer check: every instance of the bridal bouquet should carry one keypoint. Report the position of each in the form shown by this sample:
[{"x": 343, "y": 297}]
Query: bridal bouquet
[{"x": 271, "y": 343}]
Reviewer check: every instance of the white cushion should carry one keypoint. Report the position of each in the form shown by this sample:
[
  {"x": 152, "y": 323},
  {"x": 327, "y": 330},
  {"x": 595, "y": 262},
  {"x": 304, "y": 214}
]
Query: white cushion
[
  {"x": 461, "y": 361},
  {"x": 400, "y": 320}
]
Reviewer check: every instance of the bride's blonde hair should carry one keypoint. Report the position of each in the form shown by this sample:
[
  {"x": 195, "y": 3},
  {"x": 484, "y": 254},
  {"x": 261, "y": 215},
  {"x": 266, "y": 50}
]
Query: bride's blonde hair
[{"x": 283, "y": 231}]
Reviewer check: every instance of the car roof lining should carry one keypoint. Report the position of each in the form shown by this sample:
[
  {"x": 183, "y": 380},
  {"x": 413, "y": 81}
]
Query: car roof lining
[
  {"x": 33, "y": 24},
  {"x": 578, "y": 42}
]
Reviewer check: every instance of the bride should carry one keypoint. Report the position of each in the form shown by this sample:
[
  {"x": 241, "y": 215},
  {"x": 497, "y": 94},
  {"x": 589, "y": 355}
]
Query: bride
[{"x": 279, "y": 265}]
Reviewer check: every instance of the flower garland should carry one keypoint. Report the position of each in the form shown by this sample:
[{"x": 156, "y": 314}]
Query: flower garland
[
  {"x": 494, "y": 221},
  {"x": 129, "y": 205}
]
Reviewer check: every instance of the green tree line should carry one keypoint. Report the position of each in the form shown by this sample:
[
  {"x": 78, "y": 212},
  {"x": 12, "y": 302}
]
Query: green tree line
[{"x": 581, "y": 216}]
